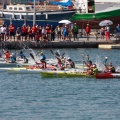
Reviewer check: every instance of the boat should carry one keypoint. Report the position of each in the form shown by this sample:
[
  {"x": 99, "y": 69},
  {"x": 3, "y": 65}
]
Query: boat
[
  {"x": 34, "y": 14},
  {"x": 87, "y": 13},
  {"x": 107, "y": 75},
  {"x": 23, "y": 71},
  {"x": 69, "y": 73}
]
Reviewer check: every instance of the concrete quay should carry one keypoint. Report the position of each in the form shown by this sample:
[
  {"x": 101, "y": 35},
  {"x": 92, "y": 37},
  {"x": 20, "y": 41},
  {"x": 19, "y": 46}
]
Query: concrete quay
[{"x": 80, "y": 43}]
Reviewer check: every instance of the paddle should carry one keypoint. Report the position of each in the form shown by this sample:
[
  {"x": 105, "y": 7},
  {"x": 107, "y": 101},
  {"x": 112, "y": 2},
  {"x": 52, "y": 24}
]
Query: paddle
[
  {"x": 106, "y": 58},
  {"x": 83, "y": 55},
  {"x": 34, "y": 59},
  {"x": 87, "y": 57},
  {"x": 55, "y": 54}
]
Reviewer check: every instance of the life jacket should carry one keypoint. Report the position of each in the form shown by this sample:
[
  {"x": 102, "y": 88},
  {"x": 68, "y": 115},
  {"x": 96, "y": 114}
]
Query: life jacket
[{"x": 7, "y": 55}]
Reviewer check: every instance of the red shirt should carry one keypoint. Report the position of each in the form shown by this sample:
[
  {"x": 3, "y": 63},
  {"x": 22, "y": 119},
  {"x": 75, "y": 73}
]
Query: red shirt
[
  {"x": 12, "y": 28},
  {"x": 88, "y": 29},
  {"x": 34, "y": 29},
  {"x": 24, "y": 29},
  {"x": 7, "y": 54}
]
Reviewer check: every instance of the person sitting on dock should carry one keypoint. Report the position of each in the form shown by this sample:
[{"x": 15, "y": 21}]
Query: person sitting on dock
[
  {"x": 42, "y": 59},
  {"x": 109, "y": 68}
]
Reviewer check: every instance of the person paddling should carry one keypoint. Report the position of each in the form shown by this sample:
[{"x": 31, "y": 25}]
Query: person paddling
[
  {"x": 42, "y": 59},
  {"x": 7, "y": 55},
  {"x": 110, "y": 68},
  {"x": 90, "y": 67}
]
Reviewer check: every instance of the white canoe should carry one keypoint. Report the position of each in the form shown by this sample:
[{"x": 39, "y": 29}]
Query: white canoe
[{"x": 23, "y": 71}]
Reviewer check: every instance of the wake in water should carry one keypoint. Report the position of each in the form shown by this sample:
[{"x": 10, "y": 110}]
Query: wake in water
[{"x": 99, "y": 63}]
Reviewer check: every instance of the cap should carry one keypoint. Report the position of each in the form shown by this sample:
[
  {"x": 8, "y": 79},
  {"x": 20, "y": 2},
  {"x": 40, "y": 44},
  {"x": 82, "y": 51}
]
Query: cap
[
  {"x": 94, "y": 65},
  {"x": 69, "y": 58}
]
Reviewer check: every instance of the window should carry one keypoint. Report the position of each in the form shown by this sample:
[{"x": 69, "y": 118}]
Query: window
[
  {"x": 15, "y": 8},
  {"x": 20, "y": 9},
  {"x": 10, "y": 8}
]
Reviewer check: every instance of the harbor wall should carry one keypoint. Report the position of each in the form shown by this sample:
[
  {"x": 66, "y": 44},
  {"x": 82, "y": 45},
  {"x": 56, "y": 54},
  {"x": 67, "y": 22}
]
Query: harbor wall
[{"x": 53, "y": 44}]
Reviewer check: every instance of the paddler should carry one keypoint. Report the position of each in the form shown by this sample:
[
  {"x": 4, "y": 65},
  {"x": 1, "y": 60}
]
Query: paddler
[
  {"x": 110, "y": 68},
  {"x": 95, "y": 69},
  {"x": 42, "y": 59},
  {"x": 70, "y": 63},
  {"x": 12, "y": 58},
  {"x": 90, "y": 67},
  {"x": 7, "y": 54}
]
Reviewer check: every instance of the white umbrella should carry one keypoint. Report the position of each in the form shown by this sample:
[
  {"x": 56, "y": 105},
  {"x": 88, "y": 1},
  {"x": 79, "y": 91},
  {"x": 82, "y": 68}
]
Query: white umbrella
[
  {"x": 105, "y": 22},
  {"x": 65, "y": 21}
]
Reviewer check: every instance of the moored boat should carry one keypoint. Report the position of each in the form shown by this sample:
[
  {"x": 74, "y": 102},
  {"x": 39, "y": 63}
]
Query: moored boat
[
  {"x": 87, "y": 13},
  {"x": 29, "y": 15}
]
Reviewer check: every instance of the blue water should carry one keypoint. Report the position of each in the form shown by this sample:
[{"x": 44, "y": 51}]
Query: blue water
[{"x": 30, "y": 97}]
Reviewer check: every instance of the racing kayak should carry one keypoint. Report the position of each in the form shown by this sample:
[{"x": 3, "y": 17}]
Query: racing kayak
[
  {"x": 64, "y": 73},
  {"x": 107, "y": 75},
  {"x": 24, "y": 71}
]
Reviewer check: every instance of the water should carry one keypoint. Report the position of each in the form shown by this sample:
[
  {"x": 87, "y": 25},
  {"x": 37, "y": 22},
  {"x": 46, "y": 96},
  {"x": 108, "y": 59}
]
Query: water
[{"x": 30, "y": 97}]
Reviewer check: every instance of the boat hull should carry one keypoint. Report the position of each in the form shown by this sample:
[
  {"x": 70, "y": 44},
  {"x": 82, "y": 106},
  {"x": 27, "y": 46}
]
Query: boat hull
[
  {"x": 62, "y": 74},
  {"x": 27, "y": 18},
  {"x": 107, "y": 75},
  {"x": 95, "y": 18},
  {"x": 23, "y": 71}
]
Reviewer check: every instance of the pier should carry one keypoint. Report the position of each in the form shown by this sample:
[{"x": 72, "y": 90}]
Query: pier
[{"x": 80, "y": 43}]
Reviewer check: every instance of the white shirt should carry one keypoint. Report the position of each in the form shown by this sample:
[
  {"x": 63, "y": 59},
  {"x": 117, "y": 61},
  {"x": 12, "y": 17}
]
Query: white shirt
[{"x": 3, "y": 29}]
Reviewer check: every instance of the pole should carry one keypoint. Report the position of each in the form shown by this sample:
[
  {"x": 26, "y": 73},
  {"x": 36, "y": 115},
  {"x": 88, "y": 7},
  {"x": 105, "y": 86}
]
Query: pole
[
  {"x": 86, "y": 5},
  {"x": 34, "y": 13}
]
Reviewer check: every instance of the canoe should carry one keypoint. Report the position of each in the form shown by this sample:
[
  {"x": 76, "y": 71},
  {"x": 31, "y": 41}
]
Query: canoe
[
  {"x": 64, "y": 73},
  {"x": 23, "y": 71},
  {"x": 107, "y": 75}
]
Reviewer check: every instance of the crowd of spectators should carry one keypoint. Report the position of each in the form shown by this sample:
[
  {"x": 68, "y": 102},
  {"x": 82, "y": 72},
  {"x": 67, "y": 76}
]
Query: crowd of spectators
[
  {"x": 39, "y": 33},
  {"x": 50, "y": 33}
]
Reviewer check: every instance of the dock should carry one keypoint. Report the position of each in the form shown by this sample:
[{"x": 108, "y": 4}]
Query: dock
[{"x": 80, "y": 43}]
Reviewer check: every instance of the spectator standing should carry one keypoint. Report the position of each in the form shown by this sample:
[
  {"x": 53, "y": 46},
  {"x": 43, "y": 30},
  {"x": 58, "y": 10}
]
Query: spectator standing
[
  {"x": 48, "y": 31},
  {"x": 18, "y": 34},
  {"x": 12, "y": 31},
  {"x": 64, "y": 32},
  {"x": 69, "y": 33},
  {"x": 34, "y": 30},
  {"x": 117, "y": 30},
  {"x": 7, "y": 31},
  {"x": 30, "y": 37},
  {"x": 24, "y": 32},
  {"x": 43, "y": 32},
  {"x": 88, "y": 30},
  {"x": 58, "y": 29},
  {"x": 102, "y": 33},
  {"x": 75, "y": 31},
  {"x": 52, "y": 33},
  {"x": 3, "y": 29},
  {"x": 107, "y": 32}
]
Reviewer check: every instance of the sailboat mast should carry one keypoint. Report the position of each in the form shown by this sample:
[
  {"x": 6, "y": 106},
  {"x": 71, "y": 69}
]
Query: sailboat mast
[{"x": 34, "y": 13}]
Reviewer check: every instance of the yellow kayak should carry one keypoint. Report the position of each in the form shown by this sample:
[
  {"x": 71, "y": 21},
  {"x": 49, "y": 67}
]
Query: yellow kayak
[{"x": 60, "y": 73}]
